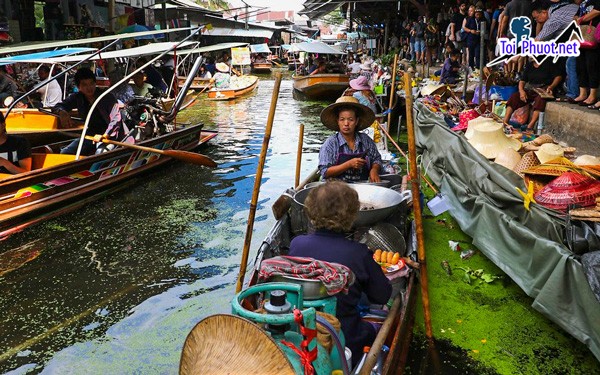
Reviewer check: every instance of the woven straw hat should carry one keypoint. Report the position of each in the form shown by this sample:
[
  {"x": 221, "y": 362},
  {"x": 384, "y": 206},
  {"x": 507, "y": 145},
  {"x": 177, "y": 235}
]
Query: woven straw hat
[
  {"x": 527, "y": 161},
  {"x": 226, "y": 344},
  {"x": 474, "y": 123},
  {"x": 568, "y": 189},
  {"x": 508, "y": 158},
  {"x": 587, "y": 160},
  {"x": 489, "y": 139},
  {"x": 222, "y": 67},
  {"x": 433, "y": 89},
  {"x": 549, "y": 151},
  {"x": 329, "y": 116}
]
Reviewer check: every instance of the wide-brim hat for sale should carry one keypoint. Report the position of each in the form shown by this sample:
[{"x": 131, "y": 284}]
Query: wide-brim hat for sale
[
  {"x": 360, "y": 83},
  {"x": 474, "y": 123},
  {"x": 527, "y": 161},
  {"x": 508, "y": 158},
  {"x": 329, "y": 115},
  {"x": 489, "y": 139},
  {"x": 549, "y": 151},
  {"x": 433, "y": 89},
  {"x": 587, "y": 160},
  {"x": 222, "y": 67},
  {"x": 568, "y": 189}
]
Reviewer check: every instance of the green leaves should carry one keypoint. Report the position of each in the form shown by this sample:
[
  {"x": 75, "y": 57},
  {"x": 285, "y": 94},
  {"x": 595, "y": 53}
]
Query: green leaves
[{"x": 479, "y": 274}]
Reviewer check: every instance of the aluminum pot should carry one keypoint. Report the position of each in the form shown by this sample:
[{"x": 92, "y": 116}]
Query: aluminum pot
[{"x": 380, "y": 201}]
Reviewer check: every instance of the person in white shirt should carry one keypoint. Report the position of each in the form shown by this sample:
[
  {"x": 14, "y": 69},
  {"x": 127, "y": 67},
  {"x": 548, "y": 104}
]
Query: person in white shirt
[
  {"x": 353, "y": 67},
  {"x": 51, "y": 93}
]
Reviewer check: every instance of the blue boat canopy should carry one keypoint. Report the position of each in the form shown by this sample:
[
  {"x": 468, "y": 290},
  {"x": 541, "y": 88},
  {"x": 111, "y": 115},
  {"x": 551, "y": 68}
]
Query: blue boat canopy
[
  {"x": 260, "y": 48},
  {"x": 44, "y": 55}
]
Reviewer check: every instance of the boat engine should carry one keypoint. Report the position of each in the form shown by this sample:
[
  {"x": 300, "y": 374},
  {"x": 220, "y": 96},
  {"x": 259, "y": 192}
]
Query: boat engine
[{"x": 292, "y": 323}]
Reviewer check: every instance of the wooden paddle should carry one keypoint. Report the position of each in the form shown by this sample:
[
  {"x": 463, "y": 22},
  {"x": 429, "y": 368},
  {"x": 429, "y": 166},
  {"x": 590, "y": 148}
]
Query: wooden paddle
[{"x": 186, "y": 156}]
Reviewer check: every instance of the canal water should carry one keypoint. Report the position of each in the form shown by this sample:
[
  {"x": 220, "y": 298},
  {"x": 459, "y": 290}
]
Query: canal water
[{"x": 114, "y": 287}]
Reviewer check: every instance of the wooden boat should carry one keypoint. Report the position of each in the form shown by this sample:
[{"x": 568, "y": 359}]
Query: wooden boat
[
  {"x": 321, "y": 86},
  {"x": 198, "y": 83},
  {"x": 190, "y": 98},
  {"x": 58, "y": 183},
  {"x": 233, "y": 93},
  {"x": 396, "y": 331},
  {"x": 38, "y": 127},
  {"x": 262, "y": 67}
]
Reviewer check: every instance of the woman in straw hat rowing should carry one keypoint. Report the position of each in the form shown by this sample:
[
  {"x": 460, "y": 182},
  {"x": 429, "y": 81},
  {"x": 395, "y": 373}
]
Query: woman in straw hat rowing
[{"x": 349, "y": 154}]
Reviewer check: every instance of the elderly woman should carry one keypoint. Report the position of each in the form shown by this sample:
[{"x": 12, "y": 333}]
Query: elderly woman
[
  {"x": 361, "y": 90},
  {"x": 332, "y": 208},
  {"x": 349, "y": 155}
]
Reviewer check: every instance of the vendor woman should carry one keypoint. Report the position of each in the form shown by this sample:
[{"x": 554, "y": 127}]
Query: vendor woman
[{"x": 349, "y": 154}]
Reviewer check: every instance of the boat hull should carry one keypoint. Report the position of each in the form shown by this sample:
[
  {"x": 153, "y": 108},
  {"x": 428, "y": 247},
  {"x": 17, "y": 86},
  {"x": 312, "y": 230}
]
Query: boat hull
[
  {"x": 230, "y": 94},
  {"x": 321, "y": 86},
  {"x": 262, "y": 67},
  {"x": 28, "y": 198}
]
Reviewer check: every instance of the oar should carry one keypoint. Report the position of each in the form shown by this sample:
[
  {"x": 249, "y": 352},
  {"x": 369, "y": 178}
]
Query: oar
[
  {"x": 414, "y": 176},
  {"x": 299, "y": 155},
  {"x": 186, "y": 156},
  {"x": 257, "y": 179},
  {"x": 392, "y": 92}
]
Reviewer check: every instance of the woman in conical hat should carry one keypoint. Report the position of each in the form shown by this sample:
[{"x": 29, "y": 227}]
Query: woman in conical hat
[{"x": 349, "y": 155}]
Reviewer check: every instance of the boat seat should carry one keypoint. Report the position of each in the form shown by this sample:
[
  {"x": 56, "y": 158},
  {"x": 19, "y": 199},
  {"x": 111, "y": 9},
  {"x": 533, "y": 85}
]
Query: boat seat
[
  {"x": 5, "y": 175},
  {"x": 43, "y": 160}
]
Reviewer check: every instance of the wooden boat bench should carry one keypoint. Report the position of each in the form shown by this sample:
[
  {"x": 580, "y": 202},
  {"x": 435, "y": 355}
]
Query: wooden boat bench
[{"x": 43, "y": 160}]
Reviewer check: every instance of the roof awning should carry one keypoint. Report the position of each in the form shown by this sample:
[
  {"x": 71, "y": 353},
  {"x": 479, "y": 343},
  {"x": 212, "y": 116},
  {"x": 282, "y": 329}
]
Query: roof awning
[
  {"x": 213, "y": 47},
  {"x": 315, "y": 47},
  {"x": 148, "y": 49},
  {"x": 259, "y": 48},
  {"x": 242, "y": 33},
  {"x": 45, "y": 55},
  {"x": 318, "y": 8}
]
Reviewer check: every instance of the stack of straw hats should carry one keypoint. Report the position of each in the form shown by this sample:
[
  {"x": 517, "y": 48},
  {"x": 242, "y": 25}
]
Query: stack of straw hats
[
  {"x": 570, "y": 188},
  {"x": 489, "y": 139}
]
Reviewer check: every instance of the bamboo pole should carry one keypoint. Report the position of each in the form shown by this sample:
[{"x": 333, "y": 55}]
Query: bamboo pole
[
  {"x": 257, "y": 179},
  {"x": 414, "y": 178},
  {"x": 299, "y": 155},
  {"x": 392, "y": 91}
]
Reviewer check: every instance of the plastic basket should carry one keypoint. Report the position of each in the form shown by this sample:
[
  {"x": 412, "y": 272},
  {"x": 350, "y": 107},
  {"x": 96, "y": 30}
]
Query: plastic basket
[{"x": 378, "y": 90}]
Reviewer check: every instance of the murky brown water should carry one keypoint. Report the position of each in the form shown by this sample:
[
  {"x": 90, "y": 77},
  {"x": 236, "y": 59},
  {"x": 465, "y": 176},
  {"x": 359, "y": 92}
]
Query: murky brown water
[{"x": 115, "y": 287}]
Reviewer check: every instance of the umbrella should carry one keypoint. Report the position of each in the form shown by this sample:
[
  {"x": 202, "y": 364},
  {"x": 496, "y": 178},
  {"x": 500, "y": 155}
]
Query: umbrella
[{"x": 135, "y": 28}]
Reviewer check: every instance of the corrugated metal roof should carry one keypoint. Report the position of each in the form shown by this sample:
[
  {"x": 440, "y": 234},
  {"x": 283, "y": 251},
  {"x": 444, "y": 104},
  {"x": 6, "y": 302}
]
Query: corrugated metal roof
[{"x": 243, "y": 33}]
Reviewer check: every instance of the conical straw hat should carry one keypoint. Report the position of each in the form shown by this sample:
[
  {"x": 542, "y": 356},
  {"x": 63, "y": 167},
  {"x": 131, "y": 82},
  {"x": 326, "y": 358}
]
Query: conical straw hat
[
  {"x": 549, "y": 151},
  {"x": 587, "y": 160},
  {"x": 473, "y": 124},
  {"x": 508, "y": 158},
  {"x": 489, "y": 139},
  {"x": 568, "y": 189},
  {"x": 226, "y": 344},
  {"x": 433, "y": 89}
]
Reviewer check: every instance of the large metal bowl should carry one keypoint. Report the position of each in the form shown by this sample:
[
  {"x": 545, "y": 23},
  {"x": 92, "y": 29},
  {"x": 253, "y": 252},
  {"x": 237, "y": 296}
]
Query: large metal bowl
[
  {"x": 312, "y": 289},
  {"x": 381, "y": 200}
]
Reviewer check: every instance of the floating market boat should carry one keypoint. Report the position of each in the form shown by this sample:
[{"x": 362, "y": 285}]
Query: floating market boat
[
  {"x": 201, "y": 84},
  {"x": 238, "y": 86},
  {"x": 39, "y": 127},
  {"x": 59, "y": 183},
  {"x": 261, "y": 58},
  {"x": 320, "y": 86},
  {"x": 385, "y": 227}
]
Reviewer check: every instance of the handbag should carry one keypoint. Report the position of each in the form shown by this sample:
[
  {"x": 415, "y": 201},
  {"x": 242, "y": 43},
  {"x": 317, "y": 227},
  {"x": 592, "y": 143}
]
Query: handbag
[{"x": 589, "y": 36}]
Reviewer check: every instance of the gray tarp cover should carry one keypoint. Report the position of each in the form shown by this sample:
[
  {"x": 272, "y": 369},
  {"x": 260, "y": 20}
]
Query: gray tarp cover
[{"x": 527, "y": 245}]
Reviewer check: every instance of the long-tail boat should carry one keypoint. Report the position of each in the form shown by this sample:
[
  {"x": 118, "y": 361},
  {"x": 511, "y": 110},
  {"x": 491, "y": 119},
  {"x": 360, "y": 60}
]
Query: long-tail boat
[
  {"x": 199, "y": 356},
  {"x": 59, "y": 183},
  {"x": 319, "y": 86}
]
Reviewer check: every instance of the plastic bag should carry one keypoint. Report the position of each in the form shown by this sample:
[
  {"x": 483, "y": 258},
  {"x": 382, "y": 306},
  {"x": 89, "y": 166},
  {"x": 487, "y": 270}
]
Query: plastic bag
[{"x": 520, "y": 116}]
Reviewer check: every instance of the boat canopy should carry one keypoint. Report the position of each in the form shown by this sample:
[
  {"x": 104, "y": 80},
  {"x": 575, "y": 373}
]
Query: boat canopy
[
  {"x": 213, "y": 47},
  {"x": 315, "y": 47},
  {"x": 29, "y": 46},
  {"x": 44, "y": 55},
  {"x": 286, "y": 46},
  {"x": 148, "y": 49},
  {"x": 260, "y": 48}
]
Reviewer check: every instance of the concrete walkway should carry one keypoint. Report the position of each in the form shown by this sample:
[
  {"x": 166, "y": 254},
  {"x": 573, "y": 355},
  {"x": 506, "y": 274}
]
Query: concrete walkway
[{"x": 577, "y": 126}]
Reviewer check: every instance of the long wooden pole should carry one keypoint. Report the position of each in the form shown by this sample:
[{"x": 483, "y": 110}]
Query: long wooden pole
[
  {"x": 414, "y": 178},
  {"x": 258, "y": 178},
  {"x": 299, "y": 155},
  {"x": 392, "y": 91}
]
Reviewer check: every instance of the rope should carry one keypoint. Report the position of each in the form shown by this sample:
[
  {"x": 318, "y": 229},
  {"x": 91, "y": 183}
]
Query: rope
[{"x": 306, "y": 356}]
